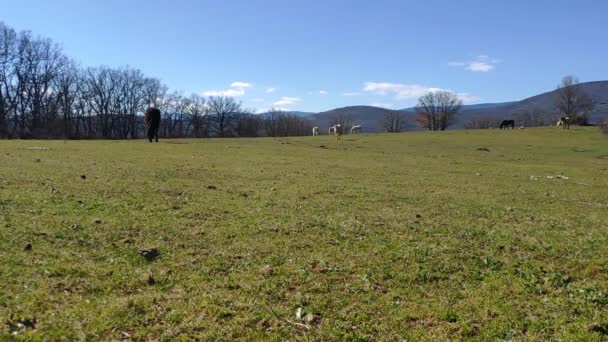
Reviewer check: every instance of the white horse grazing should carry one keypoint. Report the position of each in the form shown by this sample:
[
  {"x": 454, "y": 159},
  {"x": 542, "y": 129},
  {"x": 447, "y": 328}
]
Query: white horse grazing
[
  {"x": 315, "y": 131},
  {"x": 355, "y": 129}
]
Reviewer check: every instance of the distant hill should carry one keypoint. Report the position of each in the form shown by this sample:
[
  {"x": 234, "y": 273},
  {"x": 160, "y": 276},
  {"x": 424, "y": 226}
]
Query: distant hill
[
  {"x": 475, "y": 106},
  {"x": 294, "y": 112},
  {"x": 300, "y": 113},
  {"x": 371, "y": 117}
]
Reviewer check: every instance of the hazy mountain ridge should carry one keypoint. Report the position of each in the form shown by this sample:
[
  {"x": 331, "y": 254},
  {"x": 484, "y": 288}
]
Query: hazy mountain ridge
[{"x": 371, "y": 117}]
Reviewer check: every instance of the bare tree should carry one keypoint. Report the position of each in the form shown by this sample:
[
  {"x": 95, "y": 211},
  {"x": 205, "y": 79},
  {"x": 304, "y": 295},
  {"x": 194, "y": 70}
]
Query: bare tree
[
  {"x": 154, "y": 92},
  {"x": 531, "y": 117},
  {"x": 281, "y": 124},
  {"x": 8, "y": 57},
  {"x": 132, "y": 98},
  {"x": 483, "y": 122},
  {"x": 68, "y": 87},
  {"x": 223, "y": 113},
  {"x": 393, "y": 121},
  {"x": 199, "y": 119},
  {"x": 437, "y": 110},
  {"x": 45, "y": 94},
  {"x": 249, "y": 124},
  {"x": 343, "y": 119},
  {"x": 100, "y": 89},
  {"x": 571, "y": 101},
  {"x": 272, "y": 122},
  {"x": 175, "y": 109}
]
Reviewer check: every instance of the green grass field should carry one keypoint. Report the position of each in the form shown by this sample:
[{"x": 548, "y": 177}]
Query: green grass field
[{"x": 417, "y": 236}]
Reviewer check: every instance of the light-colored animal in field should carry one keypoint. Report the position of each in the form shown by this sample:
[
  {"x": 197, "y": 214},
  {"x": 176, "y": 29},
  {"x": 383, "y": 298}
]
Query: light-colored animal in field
[
  {"x": 336, "y": 130},
  {"x": 355, "y": 129},
  {"x": 315, "y": 131}
]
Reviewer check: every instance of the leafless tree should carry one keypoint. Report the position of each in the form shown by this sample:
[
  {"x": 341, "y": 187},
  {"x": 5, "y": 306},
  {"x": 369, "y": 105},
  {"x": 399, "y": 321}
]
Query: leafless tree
[
  {"x": 174, "y": 110},
  {"x": 531, "y": 117},
  {"x": 249, "y": 124},
  {"x": 571, "y": 101},
  {"x": 199, "y": 116},
  {"x": 45, "y": 94},
  {"x": 437, "y": 110},
  {"x": 68, "y": 87},
  {"x": 393, "y": 121},
  {"x": 483, "y": 122},
  {"x": 223, "y": 113},
  {"x": 131, "y": 99},
  {"x": 343, "y": 119},
  {"x": 8, "y": 57},
  {"x": 282, "y": 124},
  {"x": 272, "y": 122},
  {"x": 154, "y": 92},
  {"x": 100, "y": 90}
]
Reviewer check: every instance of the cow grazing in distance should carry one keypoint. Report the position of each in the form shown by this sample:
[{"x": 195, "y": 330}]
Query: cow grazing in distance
[
  {"x": 315, "y": 131},
  {"x": 336, "y": 130},
  {"x": 564, "y": 121},
  {"x": 355, "y": 129},
  {"x": 507, "y": 123}
]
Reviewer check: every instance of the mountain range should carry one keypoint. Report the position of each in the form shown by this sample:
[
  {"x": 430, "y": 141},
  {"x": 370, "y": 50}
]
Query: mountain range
[{"x": 370, "y": 118}]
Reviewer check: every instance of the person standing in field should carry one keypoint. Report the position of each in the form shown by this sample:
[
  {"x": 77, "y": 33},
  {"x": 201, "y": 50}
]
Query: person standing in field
[{"x": 152, "y": 121}]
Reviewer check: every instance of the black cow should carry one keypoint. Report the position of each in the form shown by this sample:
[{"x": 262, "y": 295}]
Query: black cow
[{"x": 506, "y": 123}]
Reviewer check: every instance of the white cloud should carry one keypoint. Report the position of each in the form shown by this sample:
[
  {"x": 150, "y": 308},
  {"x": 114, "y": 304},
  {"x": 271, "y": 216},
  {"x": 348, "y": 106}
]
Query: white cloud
[
  {"x": 351, "y": 94},
  {"x": 286, "y": 101},
  {"x": 265, "y": 110},
  {"x": 480, "y": 67},
  {"x": 468, "y": 98},
  {"x": 238, "y": 89},
  {"x": 227, "y": 92},
  {"x": 400, "y": 91},
  {"x": 241, "y": 85},
  {"x": 257, "y": 100},
  {"x": 323, "y": 92},
  {"x": 270, "y": 90},
  {"x": 408, "y": 91},
  {"x": 481, "y": 63},
  {"x": 382, "y": 105}
]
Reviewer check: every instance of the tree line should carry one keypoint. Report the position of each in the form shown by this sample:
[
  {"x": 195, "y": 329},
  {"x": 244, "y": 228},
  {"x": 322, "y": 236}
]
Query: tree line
[{"x": 45, "y": 94}]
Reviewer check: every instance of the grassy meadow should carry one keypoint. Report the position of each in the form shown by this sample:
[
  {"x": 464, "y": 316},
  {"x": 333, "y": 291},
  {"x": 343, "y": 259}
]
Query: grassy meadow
[{"x": 473, "y": 235}]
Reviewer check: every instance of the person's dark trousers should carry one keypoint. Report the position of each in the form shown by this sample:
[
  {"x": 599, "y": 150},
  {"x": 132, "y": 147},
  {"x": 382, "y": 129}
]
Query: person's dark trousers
[{"x": 153, "y": 133}]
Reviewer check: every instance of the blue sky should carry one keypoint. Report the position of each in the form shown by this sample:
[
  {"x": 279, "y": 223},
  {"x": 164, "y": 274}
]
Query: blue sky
[{"x": 317, "y": 55}]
